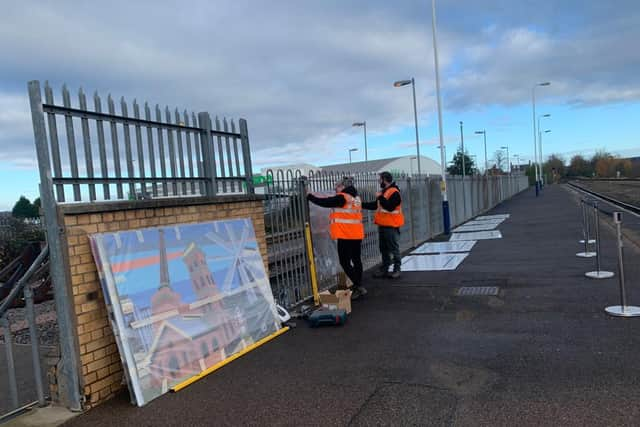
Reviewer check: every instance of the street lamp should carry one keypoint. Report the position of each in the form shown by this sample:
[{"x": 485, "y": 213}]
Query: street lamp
[
  {"x": 517, "y": 157},
  {"x": 508, "y": 162},
  {"x": 484, "y": 133},
  {"x": 350, "y": 151},
  {"x": 401, "y": 83},
  {"x": 533, "y": 103},
  {"x": 463, "y": 154},
  {"x": 443, "y": 183},
  {"x": 363, "y": 125},
  {"x": 540, "y": 146}
]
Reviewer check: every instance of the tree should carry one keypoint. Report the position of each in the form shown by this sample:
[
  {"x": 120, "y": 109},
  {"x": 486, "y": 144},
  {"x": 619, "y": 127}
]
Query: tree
[
  {"x": 579, "y": 166},
  {"x": 500, "y": 159},
  {"x": 530, "y": 171},
  {"x": 601, "y": 163},
  {"x": 554, "y": 162},
  {"x": 456, "y": 167},
  {"x": 24, "y": 209}
]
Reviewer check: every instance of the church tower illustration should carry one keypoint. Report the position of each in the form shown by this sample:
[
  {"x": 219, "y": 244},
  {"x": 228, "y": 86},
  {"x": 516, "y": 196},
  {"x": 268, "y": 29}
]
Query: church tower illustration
[
  {"x": 205, "y": 288},
  {"x": 165, "y": 298},
  {"x": 202, "y": 280}
]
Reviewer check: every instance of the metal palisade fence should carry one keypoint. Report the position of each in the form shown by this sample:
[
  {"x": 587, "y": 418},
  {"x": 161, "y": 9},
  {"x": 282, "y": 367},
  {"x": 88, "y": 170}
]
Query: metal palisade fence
[
  {"x": 286, "y": 212},
  {"x": 114, "y": 151},
  {"x": 117, "y": 151}
]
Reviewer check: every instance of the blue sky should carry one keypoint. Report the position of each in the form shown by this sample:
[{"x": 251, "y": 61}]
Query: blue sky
[{"x": 301, "y": 72}]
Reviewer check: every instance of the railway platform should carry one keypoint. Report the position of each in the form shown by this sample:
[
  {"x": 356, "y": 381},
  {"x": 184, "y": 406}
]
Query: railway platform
[{"x": 540, "y": 350}]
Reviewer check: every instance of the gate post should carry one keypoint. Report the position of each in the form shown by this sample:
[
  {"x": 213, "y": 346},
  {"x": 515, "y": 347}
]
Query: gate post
[
  {"x": 208, "y": 156},
  {"x": 246, "y": 155},
  {"x": 68, "y": 374}
]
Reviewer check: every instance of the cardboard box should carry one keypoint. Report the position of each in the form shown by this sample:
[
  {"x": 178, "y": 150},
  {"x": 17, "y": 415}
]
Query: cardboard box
[{"x": 341, "y": 299}]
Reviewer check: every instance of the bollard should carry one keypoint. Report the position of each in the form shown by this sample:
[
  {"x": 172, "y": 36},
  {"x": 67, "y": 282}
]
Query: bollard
[
  {"x": 622, "y": 310},
  {"x": 598, "y": 274},
  {"x": 585, "y": 234},
  {"x": 585, "y": 225}
]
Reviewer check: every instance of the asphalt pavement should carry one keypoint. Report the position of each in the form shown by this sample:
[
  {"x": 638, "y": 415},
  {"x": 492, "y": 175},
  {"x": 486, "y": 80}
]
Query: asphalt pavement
[{"x": 541, "y": 352}]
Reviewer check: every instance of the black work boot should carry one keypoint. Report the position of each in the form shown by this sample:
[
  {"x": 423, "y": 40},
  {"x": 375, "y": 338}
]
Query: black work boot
[{"x": 383, "y": 272}]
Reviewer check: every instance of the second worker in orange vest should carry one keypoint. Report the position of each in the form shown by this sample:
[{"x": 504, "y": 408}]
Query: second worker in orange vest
[
  {"x": 346, "y": 227},
  {"x": 389, "y": 218}
]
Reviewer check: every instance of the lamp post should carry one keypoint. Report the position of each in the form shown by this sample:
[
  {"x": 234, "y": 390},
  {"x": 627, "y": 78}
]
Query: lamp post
[
  {"x": 443, "y": 183},
  {"x": 464, "y": 191},
  {"x": 517, "y": 157},
  {"x": 484, "y": 133},
  {"x": 533, "y": 103},
  {"x": 401, "y": 83},
  {"x": 366, "y": 152},
  {"x": 462, "y": 148},
  {"x": 540, "y": 149},
  {"x": 350, "y": 151},
  {"x": 508, "y": 163},
  {"x": 509, "y": 169}
]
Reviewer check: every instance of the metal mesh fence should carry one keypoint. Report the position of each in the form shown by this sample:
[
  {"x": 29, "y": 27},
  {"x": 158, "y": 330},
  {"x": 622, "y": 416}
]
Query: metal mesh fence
[{"x": 286, "y": 212}]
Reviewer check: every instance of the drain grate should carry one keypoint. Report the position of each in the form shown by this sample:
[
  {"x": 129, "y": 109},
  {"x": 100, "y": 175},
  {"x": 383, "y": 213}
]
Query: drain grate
[{"x": 472, "y": 291}]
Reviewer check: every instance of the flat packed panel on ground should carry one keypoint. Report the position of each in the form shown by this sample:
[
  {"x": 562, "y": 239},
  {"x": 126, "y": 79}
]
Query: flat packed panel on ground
[{"x": 183, "y": 298}]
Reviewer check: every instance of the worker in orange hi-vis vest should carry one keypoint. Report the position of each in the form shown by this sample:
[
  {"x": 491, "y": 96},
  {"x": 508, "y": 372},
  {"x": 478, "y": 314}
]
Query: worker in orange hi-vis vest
[
  {"x": 389, "y": 218},
  {"x": 346, "y": 228}
]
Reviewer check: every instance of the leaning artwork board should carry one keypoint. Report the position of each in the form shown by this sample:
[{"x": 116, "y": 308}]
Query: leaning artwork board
[{"x": 183, "y": 298}]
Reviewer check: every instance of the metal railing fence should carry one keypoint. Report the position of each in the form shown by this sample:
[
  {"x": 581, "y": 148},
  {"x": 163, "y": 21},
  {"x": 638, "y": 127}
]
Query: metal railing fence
[{"x": 286, "y": 212}]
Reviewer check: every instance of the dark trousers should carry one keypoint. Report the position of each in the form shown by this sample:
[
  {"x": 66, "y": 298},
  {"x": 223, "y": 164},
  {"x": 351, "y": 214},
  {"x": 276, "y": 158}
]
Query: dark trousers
[
  {"x": 349, "y": 255},
  {"x": 389, "y": 247}
]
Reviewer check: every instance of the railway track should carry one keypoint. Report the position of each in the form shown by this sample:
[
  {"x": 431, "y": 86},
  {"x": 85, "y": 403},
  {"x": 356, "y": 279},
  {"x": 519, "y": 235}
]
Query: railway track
[{"x": 631, "y": 208}]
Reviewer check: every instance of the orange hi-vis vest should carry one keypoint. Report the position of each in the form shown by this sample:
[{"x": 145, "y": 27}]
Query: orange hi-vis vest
[
  {"x": 346, "y": 222},
  {"x": 387, "y": 218}
]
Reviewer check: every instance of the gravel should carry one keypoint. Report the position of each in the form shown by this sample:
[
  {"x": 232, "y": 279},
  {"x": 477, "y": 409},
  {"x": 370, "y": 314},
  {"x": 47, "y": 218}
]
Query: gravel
[{"x": 45, "y": 319}]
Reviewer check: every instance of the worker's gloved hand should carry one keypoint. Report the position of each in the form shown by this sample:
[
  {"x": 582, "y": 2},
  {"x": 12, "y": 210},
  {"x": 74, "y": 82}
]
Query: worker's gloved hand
[{"x": 378, "y": 194}]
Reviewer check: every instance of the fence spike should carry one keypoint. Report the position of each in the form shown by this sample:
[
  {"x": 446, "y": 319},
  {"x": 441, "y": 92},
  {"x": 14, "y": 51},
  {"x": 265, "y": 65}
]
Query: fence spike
[
  {"x": 123, "y": 106},
  {"x": 48, "y": 93},
  {"x": 66, "y": 97}
]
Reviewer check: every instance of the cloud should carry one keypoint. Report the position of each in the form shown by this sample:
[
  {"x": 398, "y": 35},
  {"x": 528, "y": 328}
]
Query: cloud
[{"x": 302, "y": 72}]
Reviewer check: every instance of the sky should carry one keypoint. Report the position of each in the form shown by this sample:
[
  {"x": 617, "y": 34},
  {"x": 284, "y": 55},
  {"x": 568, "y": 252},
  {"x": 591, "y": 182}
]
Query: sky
[{"x": 301, "y": 72}]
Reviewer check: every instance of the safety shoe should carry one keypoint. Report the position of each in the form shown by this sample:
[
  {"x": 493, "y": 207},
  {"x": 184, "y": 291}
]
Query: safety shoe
[
  {"x": 358, "y": 292},
  {"x": 395, "y": 275},
  {"x": 380, "y": 274}
]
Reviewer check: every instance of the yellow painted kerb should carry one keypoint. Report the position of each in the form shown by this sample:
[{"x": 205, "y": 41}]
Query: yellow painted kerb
[{"x": 230, "y": 359}]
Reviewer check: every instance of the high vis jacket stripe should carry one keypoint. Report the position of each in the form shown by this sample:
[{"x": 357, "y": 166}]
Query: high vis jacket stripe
[
  {"x": 387, "y": 218},
  {"x": 346, "y": 222}
]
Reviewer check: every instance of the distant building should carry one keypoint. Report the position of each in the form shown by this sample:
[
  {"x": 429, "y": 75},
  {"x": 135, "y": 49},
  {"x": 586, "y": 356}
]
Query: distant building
[
  {"x": 405, "y": 165},
  {"x": 304, "y": 169}
]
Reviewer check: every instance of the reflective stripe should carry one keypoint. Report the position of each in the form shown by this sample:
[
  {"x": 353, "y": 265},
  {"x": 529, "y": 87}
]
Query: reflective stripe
[
  {"x": 343, "y": 210},
  {"x": 396, "y": 212},
  {"x": 346, "y": 221}
]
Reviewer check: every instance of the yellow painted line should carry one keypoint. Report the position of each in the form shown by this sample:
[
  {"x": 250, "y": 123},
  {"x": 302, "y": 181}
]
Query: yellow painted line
[{"x": 230, "y": 359}]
